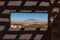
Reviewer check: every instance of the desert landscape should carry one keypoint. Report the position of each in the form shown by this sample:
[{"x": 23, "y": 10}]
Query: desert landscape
[
  {"x": 29, "y": 20},
  {"x": 29, "y": 24}
]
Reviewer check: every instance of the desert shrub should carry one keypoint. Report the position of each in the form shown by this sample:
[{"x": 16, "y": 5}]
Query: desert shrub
[{"x": 34, "y": 26}]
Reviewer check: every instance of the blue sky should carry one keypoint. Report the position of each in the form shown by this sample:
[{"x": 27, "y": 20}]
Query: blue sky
[{"x": 24, "y": 16}]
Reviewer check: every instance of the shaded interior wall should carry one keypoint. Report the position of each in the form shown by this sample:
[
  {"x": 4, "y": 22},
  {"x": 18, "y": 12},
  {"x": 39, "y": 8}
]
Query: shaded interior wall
[{"x": 55, "y": 14}]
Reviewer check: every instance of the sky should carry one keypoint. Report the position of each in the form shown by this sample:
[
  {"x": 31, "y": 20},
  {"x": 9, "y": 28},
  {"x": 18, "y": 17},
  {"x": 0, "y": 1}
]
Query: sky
[{"x": 42, "y": 17}]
